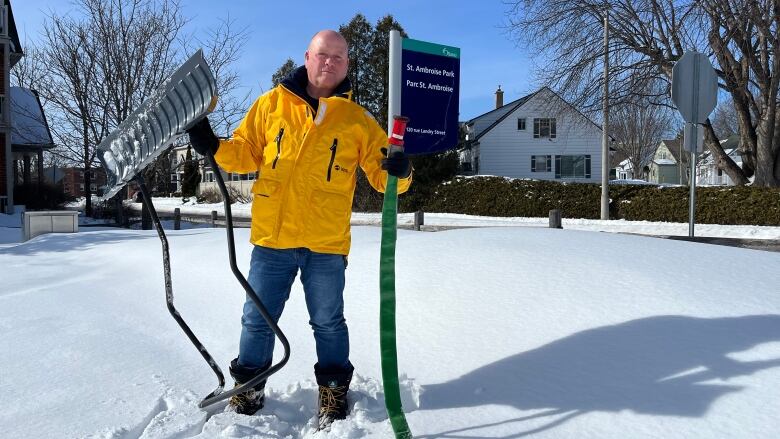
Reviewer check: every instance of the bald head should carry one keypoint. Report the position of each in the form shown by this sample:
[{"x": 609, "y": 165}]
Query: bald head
[
  {"x": 326, "y": 61},
  {"x": 329, "y": 36}
]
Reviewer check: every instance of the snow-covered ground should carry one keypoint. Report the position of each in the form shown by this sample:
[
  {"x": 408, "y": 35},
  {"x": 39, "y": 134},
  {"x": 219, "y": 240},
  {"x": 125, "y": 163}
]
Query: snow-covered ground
[
  {"x": 167, "y": 205},
  {"x": 502, "y": 332}
]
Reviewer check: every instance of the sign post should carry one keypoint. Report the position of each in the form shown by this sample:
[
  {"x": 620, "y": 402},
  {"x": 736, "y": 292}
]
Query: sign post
[
  {"x": 695, "y": 93},
  {"x": 423, "y": 99}
]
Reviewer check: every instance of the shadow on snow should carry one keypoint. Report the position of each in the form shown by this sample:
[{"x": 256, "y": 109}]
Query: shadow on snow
[{"x": 656, "y": 365}]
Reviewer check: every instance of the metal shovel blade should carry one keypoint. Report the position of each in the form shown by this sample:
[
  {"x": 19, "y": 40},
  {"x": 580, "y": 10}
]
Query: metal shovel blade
[{"x": 182, "y": 100}]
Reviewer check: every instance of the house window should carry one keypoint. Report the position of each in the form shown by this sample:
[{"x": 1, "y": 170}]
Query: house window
[
  {"x": 572, "y": 166},
  {"x": 81, "y": 187},
  {"x": 544, "y": 128},
  {"x": 521, "y": 124},
  {"x": 541, "y": 163},
  {"x": 174, "y": 178}
]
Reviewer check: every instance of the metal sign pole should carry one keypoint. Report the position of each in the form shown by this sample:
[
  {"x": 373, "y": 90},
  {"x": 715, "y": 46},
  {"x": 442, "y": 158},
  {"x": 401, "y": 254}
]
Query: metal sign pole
[
  {"x": 394, "y": 89},
  {"x": 692, "y": 146},
  {"x": 605, "y": 126},
  {"x": 691, "y": 138}
]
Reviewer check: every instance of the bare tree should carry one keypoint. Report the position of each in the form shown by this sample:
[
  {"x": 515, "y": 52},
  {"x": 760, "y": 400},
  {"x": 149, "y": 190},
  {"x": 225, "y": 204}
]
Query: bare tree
[
  {"x": 638, "y": 128},
  {"x": 71, "y": 89},
  {"x": 725, "y": 122},
  {"x": 222, "y": 47},
  {"x": 744, "y": 36},
  {"x": 103, "y": 61},
  {"x": 30, "y": 70},
  {"x": 647, "y": 38}
]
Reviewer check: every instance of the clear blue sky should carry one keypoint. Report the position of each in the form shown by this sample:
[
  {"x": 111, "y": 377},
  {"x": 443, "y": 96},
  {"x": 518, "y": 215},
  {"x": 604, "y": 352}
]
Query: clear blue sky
[{"x": 282, "y": 29}]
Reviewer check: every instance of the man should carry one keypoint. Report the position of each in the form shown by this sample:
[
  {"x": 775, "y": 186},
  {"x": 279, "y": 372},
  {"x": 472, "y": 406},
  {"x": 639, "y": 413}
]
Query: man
[{"x": 306, "y": 139}]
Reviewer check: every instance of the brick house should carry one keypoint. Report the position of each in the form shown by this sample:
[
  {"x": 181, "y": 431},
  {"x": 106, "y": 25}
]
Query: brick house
[
  {"x": 72, "y": 180},
  {"x": 10, "y": 54}
]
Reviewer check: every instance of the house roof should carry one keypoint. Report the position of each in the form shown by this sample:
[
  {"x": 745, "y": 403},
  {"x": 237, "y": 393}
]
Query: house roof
[
  {"x": 675, "y": 148},
  {"x": 12, "y": 33},
  {"x": 509, "y": 108},
  {"x": 29, "y": 129},
  {"x": 506, "y": 109}
]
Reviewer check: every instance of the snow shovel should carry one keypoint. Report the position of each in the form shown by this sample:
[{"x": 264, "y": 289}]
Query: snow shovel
[{"x": 179, "y": 103}]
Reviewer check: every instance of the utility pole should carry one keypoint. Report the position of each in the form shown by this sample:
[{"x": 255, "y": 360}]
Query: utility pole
[{"x": 605, "y": 124}]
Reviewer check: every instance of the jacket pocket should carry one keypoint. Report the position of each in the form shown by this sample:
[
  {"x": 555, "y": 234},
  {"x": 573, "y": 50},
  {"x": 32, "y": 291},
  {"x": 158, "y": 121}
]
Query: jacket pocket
[
  {"x": 265, "y": 208},
  {"x": 328, "y": 221}
]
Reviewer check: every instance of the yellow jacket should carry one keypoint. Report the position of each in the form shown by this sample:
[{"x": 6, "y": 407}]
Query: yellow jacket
[{"x": 307, "y": 163}]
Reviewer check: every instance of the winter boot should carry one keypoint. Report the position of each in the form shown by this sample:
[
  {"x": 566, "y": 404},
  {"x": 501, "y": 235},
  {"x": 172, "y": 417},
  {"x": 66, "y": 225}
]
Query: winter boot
[
  {"x": 333, "y": 388},
  {"x": 249, "y": 402}
]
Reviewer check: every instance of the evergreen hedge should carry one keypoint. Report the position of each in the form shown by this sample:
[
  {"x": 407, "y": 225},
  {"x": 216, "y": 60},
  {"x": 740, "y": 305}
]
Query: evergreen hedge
[{"x": 498, "y": 196}]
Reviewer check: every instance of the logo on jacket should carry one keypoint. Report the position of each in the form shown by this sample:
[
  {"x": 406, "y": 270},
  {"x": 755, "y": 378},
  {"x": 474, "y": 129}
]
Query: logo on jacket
[{"x": 341, "y": 168}]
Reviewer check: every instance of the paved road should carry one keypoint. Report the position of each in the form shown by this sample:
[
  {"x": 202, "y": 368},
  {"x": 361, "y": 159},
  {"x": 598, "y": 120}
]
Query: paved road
[{"x": 771, "y": 245}]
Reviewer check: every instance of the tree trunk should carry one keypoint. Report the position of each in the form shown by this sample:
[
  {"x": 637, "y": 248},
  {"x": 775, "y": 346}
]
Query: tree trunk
[
  {"x": 767, "y": 156},
  {"x": 87, "y": 179},
  {"x": 722, "y": 159}
]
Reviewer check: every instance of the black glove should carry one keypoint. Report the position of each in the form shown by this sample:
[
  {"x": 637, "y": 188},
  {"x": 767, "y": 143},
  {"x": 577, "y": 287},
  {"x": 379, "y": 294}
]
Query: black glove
[
  {"x": 397, "y": 164},
  {"x": 203, "y": 138}
]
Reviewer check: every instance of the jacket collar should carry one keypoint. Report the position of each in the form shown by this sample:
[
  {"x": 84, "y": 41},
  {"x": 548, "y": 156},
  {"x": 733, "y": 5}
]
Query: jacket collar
[{"x": 298, "y": 79}]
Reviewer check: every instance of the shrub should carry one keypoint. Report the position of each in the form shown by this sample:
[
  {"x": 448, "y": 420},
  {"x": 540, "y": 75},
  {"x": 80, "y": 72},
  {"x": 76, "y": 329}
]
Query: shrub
[
  {"x": 498, "y": 196},
  {"x": 46, "y": 196}
]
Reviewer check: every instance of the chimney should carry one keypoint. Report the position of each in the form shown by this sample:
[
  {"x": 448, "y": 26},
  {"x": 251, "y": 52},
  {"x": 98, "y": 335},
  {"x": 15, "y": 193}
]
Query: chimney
[{"x": 499, "y": 97}]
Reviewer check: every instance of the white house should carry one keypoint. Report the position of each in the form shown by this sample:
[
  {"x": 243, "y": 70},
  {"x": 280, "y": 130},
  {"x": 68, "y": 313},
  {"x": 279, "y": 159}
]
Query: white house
[
  {"x": 707, "y": 171},
  {"x": 538, "y": 136},
  {"x": 625, "y": 170}
]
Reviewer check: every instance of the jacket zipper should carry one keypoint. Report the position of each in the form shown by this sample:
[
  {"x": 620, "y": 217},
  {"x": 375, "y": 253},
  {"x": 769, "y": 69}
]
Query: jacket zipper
[
  {"x": 332, "y": 156},
  {"x": 278, "y": 147}
]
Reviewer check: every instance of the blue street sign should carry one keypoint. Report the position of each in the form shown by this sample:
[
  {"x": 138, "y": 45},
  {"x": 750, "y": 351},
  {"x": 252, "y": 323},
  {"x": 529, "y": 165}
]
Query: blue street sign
[{"x": 430, "y": 83}]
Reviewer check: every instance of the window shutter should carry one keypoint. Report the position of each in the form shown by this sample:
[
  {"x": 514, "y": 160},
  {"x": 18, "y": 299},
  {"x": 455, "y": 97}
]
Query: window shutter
[
  {"x": 552, "y": 128},
  {"x": 549, "y": 163},
  {"x": 587, "y": 166},
  {"x": 536, "y": 128},
  {"x": 557, "y": 166},
  {"x": 533, "y": 163}
]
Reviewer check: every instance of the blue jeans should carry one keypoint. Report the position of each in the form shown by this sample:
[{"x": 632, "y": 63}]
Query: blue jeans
[{"x": 271, "y": 275}]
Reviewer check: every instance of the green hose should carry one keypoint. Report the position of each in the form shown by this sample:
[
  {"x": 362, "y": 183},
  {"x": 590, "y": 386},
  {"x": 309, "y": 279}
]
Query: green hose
[{"x": 387, "y": 311}]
